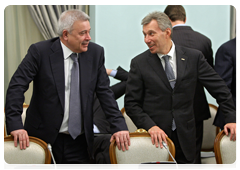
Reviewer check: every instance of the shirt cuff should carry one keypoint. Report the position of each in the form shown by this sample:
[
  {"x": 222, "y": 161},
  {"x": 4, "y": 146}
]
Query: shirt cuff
[{"x": 113, "y": 73}]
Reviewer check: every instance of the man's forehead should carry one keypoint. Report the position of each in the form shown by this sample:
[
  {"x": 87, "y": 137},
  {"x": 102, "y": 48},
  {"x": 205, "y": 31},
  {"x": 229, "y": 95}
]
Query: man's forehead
[
  {"x": 79, "y": 24},
  {"x": 150, "y": 28}
]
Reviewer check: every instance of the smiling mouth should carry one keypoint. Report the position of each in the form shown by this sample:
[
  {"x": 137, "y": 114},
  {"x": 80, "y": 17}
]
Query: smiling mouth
[
  {"x": 85, "y": 43},
  {"x": 150, "y": 46}
]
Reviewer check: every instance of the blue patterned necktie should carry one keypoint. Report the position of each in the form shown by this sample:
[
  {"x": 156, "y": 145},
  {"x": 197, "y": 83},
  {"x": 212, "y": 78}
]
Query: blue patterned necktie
[
  {"x": 75, "y": 120},
  {"x": 171, "y": 78}
]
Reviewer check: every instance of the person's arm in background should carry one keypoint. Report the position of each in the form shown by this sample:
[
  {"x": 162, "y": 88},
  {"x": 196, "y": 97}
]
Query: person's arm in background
[
  {"x": 225, "y": 66},
  {"x": 122, "y": 75}
]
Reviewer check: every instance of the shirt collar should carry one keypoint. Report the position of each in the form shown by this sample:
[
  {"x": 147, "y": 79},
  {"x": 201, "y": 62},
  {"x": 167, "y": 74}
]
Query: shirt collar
[
  {"x": 179, "y": 25},
  {"x": 66, "y": 51},
  {"x": 170, "y": 53}
]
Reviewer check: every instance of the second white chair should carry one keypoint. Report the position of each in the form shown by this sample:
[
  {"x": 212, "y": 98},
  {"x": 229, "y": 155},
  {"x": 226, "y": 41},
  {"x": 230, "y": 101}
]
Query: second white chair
[{"x": 141, "y": 150}]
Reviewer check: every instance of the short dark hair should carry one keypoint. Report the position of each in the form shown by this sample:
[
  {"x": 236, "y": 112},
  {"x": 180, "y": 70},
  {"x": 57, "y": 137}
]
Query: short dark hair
[{"x": 175, "y": 12}]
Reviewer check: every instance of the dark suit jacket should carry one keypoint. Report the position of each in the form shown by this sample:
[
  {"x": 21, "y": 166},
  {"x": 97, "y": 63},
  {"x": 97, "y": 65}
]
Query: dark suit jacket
[
  {"x": 225, "y": 66},
  {"x": 187, "y": 37},
  {"x": 118, "y": 89},
  {"x": 44, "y": 64},
  {"x": 150, "y": 100}
]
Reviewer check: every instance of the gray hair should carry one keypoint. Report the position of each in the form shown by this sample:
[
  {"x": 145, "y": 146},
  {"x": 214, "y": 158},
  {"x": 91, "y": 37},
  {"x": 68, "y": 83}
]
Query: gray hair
[
  {"x": 67, "y": 19},
  {"x": 161, "y": 18}
]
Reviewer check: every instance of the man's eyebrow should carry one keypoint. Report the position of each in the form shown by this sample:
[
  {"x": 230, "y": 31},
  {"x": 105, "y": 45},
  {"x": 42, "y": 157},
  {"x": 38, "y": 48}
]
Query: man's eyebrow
[
  {"x": 85, "y": 30},
  {"x": 148, "y": 31}
]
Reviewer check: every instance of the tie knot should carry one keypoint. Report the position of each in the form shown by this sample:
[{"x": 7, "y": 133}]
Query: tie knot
[
  {"x": 166, "y": 58},
  {"x": 74, "y": 57}
]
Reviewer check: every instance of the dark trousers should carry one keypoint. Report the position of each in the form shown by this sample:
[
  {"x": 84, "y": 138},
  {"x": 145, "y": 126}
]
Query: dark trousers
[
  {"x": 199, "y": 138},
  {"x": 179, "y": 156},
  {"x": 101, "y": 149},
  {"x": 68, "y": 151}
]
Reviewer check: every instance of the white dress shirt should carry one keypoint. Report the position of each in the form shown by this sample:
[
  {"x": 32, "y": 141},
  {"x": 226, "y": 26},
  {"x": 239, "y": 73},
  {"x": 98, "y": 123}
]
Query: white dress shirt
[{"x": 68, "y": 63}]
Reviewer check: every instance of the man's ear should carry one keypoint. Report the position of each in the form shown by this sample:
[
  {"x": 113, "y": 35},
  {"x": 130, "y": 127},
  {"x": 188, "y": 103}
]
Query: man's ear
[
  {"x": 168, "y": 32},
  {"x": 65, "y": 35}
]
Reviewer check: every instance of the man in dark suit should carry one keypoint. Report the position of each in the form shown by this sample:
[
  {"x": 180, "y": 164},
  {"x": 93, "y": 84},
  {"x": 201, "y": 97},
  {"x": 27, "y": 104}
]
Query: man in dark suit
[
  {"x": 102, "y": 133},
  {"x": 162, "y": 103},
  {"x": 184, "y": 35},
  {"x": 225, "y": 66},
  {"x": 49, "y": 65}
]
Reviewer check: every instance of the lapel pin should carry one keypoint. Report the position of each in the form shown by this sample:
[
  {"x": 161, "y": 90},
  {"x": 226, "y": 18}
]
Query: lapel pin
[{"x": 183, "y": 59}]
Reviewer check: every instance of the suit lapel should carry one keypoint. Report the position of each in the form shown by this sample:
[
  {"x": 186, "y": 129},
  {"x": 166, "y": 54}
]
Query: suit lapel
[
  {"x": 181, "y": 60},
  {"x": 57, "y": 65},
  {"x": 85, "y": 76},
  {"x": 156, "y": 64}
]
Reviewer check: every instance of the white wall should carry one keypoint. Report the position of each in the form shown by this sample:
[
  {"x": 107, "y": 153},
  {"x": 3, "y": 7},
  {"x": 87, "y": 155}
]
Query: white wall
[{"x": 118, "y": 29}]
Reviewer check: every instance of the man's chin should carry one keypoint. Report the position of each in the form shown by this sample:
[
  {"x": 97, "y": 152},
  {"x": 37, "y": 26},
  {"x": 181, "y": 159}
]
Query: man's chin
[
  {"x": 152, "y": 51},
  {"x": 84, "y": 49}
]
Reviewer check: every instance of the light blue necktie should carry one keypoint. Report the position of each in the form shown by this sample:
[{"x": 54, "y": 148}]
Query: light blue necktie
[
  {"x": 171, "y": 78},
  {"x": 75, "y": 120}
]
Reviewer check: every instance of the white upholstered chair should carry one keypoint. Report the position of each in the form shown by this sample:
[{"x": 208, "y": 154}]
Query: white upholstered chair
[
  {"x": 36, "y": 153},
  {"x": 209, "y": 134},
  {"x": 225, "y": 150},
  {"x": 131, "y": 126},
  {"x": 140, "y": 151}
]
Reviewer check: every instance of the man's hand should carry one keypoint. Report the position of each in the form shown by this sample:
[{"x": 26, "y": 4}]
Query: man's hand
[
  {"x": 108, "y": 71},
  {"x": 20, "y": 135},
  {"x": 232, "y": 128},
  {"x": 157, "y": 135},
  {"x": 122, "y": 139}
]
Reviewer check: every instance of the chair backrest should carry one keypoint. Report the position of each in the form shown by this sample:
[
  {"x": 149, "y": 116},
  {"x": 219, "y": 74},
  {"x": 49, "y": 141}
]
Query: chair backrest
[
  {"x": 225, "y": 150},
  {"x": 141, "y": 150},
  {"x": 25, "y": 106},
  {"x": 209, "y": 130},
  {"x": 36, "y": 153},
  {"x": 131, "y": 126}
]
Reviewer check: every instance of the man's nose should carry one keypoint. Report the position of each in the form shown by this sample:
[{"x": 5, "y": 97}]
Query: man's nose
[
  {"x": 88, "y": 37},
  {"x": 146, "y": 39}
]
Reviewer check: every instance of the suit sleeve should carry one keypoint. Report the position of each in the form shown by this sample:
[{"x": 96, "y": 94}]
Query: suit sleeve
[
  {"x": 217, "y": 88},
  {"x": 209, "y": 55},
  {"x": 224, "y": 65},
  {"x": 17, "y": 87},
  {"x": 134, "y": 99},
  {"x": 120, "y": 88},
  {"x": 122, "y": 74},
  {"x": 107, "y": 100}
]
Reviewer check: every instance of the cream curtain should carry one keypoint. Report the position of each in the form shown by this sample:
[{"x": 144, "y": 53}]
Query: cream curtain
[
  {"x": 20, "y": 32},
  {"x": 232, "y": 22},
  {"x": 46, "y": 17}
]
